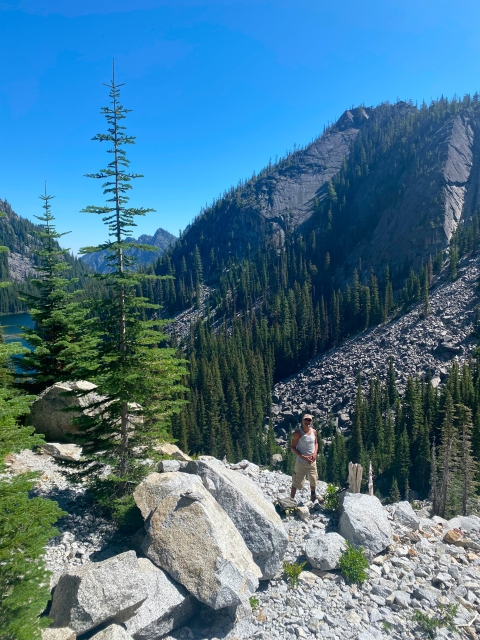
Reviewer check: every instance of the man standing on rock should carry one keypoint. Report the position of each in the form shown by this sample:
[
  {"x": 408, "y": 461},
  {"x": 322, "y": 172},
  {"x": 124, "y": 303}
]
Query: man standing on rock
[{"x": 305, "y": 446}]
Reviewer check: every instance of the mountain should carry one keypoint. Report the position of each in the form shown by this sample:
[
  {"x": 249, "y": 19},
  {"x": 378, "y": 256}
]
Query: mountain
[
  {"x": 161, "y": 239},
  {"x": 17, "y": 265},
  {"x": 383, "y": 186}
]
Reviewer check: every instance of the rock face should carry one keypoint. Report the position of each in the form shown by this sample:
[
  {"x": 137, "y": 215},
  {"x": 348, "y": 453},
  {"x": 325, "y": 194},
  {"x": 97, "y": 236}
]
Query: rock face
[
  {"x": 193, "y": 539},
  {"x": 254, "y": 517},
  {"x": 168, "y": 605},
  {"x": 364, "y": 523},
  {"x": 48, "y": 415},
  {"x": 97, "y": 592},
  {"x": 59, "y": 634},
  {"x": 323, "y": 551},
  {"x": 168, "y": 449}
]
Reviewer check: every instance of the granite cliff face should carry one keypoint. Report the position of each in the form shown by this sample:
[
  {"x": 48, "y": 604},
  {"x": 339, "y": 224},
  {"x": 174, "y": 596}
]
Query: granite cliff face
[
  {"x": 161, "y": 239},
  {"x": 409, "y": 177}
]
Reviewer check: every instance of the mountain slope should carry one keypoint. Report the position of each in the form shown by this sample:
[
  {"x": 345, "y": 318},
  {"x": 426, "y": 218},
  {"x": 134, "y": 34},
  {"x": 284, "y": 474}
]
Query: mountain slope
[{"x": 161, "y": 239}]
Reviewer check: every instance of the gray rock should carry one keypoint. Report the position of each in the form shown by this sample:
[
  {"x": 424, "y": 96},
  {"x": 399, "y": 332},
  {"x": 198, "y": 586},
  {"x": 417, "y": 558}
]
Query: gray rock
[
  {"x": 364, "y": 523},
  {"x": 58, "y": 634},
  {"x": 403, "y": 513},
  {"x": 168, "y": 605},
  {"x": 401, "y": 599},
  {"x": 165, "y": 466},
  {"x": 62, "y": 451},
  {"x": 427, "y": 593},
  {"x": 113, "y": 632},
  {"x": 97, "y": 592},
  {"x": 168, "y": 449},
  {"x": 193, "y": 539},
  {"x": 48, "y": 415},
  {"x": 255, "y": 518},
  {"x": 466, "y": 523},
  {"x": 323, "y": 551}
]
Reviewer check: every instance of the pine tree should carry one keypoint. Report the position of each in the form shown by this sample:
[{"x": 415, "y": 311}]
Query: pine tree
[
  {"x": 139, "y": 381},
  {"x": 447, "y": 459},
  {"x": 467, "y": 466},
  {"x": 394, "y": 491},
  {"x": 25, "y": 522},
  {"x": 357, "y": 450},
  {"x": 60, "y": 322}
]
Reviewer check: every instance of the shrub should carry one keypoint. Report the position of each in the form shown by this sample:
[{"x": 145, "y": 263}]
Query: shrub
[
  {"x": 254, "y": 603},
  {"x": 353, "y": 564},
  {"x": 330, "y": 498},
  {"x": 292, "y": 570},
  {"x": 427, "y": 625}
]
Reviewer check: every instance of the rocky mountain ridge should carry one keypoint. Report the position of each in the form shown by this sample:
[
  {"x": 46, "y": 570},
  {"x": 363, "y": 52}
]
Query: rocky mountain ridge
[{"x": 161, "y": 239}]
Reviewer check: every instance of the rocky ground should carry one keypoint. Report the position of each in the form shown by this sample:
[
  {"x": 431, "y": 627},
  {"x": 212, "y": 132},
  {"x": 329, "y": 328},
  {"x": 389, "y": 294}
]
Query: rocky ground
[
  {"x": 418, "y": 571},
  {"x": 416, "y": 344}
]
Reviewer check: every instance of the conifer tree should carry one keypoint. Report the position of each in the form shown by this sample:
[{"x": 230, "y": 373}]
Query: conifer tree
[
  {"x": 139, "y": 381},
  {"x": 357, "y": 450},
  {"x": 25, "y": 522},
  {"x": 467, "y": 466},
  {"x": 447, "y": 459},
  {"x": 59, "y": 322}
]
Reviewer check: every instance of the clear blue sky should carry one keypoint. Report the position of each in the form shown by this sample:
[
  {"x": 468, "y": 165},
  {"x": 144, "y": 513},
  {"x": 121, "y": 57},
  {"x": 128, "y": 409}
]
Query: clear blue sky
[{"x": 217, "y": 88}]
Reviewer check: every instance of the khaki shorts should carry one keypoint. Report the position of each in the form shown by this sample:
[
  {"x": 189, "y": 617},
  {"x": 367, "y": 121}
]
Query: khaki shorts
[{"x": 304, "y": 470}]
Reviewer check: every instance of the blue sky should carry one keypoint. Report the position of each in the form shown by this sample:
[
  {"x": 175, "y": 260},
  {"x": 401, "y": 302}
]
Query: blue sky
[{"x": 217, "y": 88}]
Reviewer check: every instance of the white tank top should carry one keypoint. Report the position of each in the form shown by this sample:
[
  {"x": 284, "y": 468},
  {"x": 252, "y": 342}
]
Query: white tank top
[{"x": 306, "y": 443}]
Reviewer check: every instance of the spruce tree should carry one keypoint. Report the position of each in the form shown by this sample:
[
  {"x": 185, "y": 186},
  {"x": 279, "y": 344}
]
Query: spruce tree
[
  {"x": 467, "y": 466},
  {"x": 138, "y": 379},
  {"x": 60, "y": 324},
  {"x": 447, "y": 459}
]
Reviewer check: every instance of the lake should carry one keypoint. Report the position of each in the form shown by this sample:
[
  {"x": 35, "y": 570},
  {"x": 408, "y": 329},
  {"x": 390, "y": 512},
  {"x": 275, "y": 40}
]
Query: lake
[{"x": 11, "y": 324}]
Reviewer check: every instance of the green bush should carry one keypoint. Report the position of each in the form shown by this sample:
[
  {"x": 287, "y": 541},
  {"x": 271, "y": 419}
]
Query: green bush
[
  {"x": 353, "y": 564},
  {"x": 254, "y": 603},
  {"x": 427, "y": 625},
  {"x": 292, "y": 570},
  {"x": 330, "y": 498}
]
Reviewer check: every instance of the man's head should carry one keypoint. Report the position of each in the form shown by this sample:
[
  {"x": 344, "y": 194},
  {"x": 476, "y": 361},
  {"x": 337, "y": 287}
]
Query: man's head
[{"x": 307, "y": 421}]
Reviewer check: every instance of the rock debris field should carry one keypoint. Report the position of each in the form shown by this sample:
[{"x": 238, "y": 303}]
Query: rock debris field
[
  {"x": 417, "y": 345},
  {"x": 416, "y": 562}
]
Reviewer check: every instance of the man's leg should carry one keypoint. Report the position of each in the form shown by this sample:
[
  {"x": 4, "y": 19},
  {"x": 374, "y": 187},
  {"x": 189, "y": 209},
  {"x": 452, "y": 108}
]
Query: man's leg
[
  {"x": 313, "y": 477},
  {"x": 297, "y": 479}
]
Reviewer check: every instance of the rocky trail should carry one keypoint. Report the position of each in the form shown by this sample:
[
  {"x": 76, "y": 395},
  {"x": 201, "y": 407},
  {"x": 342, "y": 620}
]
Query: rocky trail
[
  {"x": 417, "y": 345},
  {"x": 416, "y": 562}
]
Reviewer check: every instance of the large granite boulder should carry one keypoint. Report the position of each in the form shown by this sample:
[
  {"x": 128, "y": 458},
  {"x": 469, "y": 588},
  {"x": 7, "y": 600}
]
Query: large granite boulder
[
  {"x": 193, "y": 539},
  {"x": 95, "y": 593},
  {"x": 48, "y": 413},
  {"x": 255, "y": 517},
  {"x": 364, "y": 523},
  {"x": 323, "y": 550},
  {"x": 168, "y": 605},
  {"x": 168, "y": 449},
  {"x": 58, "y": 634}
]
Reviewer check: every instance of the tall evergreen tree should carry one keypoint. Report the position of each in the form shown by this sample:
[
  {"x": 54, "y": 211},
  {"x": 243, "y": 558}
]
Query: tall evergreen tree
[
  {"x": 138, "y": 379},
  {"x": 60, "y": 323}
]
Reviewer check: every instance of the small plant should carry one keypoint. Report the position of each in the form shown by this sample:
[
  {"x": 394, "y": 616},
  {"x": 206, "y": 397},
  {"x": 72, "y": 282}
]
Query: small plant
[
  {"x": 353, "y": 564},
  {"x": 330, "y": 498},
  {"x": 387, "y": 626},
  {"x": 428, "y": 625},
  {"x": 292, "y": 570},
  {"x": 254, "y": 603}
]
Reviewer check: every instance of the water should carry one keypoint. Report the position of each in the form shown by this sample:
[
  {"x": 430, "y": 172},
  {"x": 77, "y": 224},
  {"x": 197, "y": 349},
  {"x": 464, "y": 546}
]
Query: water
[{"x": 11, "y": 324}]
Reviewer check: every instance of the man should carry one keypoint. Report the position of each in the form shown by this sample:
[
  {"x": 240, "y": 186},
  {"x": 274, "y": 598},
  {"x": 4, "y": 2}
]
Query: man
[{"x": 305, "y": 447}]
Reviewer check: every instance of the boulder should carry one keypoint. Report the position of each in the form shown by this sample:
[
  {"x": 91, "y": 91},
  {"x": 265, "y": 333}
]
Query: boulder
[
  {"x": 453, "y": 536},
  {"x": 168, "y": 605},
  {"x": 364, "y": 523},
  {"x": 113, "y": 632},
  {"x": 48, "y": 415},
  {"x": 58, "y": 634},
  {"x": 404, "y": 514},
  {"x": 465, "y": 523},
  {"x": 95, "y": 593},
  {"x": 168, "y": 449},
  {"x": 62, "y": 451},
  {"x": 165, "y": 466},
  {"x": 193, "y": 539},
  {"x": 259, "y": 524},
  {"x": 323, "y": 550}
]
